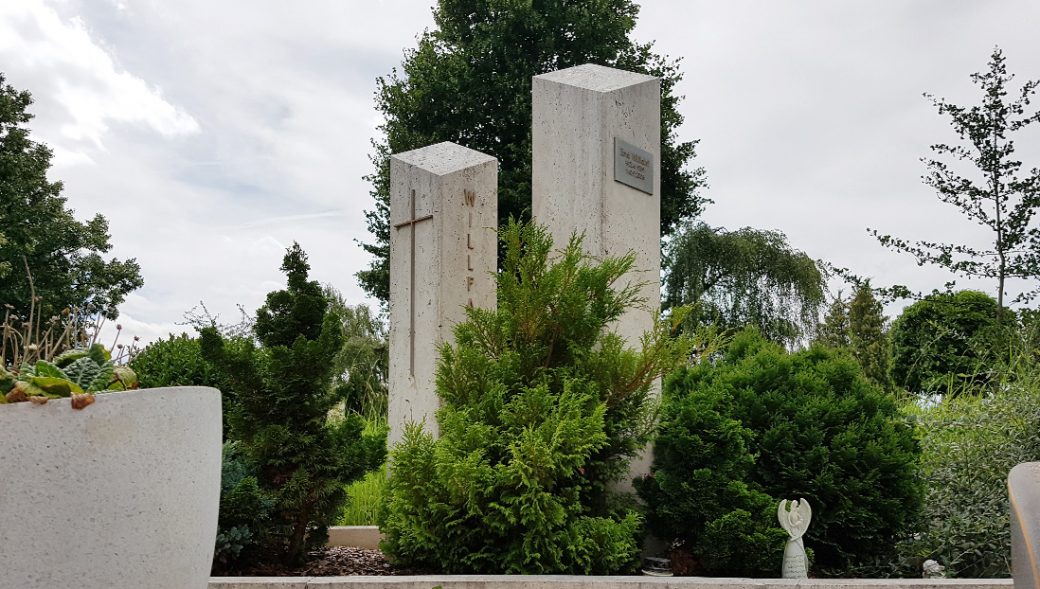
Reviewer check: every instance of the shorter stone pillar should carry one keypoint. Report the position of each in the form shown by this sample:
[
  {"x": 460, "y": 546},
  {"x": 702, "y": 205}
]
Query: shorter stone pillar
[{"x": 443, "y": 257}]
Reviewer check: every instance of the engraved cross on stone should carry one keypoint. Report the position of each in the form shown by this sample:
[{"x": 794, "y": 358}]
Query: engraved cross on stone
[{"x": 411, "y": 222}]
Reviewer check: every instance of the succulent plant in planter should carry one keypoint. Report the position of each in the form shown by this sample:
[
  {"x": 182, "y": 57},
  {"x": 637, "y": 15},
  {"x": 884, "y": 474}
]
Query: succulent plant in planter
[
  {"x": 76, "y": 373},
  {"x": 60, "y": 358}
]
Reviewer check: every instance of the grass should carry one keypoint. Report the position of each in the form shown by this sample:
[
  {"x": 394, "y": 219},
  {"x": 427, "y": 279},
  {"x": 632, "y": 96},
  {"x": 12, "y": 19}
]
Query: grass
[{"x": 365, "y": 497}]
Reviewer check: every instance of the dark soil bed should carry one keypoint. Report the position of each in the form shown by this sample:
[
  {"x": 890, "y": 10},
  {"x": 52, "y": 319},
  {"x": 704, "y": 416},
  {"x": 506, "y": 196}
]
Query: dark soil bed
[{"x": 338, "y": 561}]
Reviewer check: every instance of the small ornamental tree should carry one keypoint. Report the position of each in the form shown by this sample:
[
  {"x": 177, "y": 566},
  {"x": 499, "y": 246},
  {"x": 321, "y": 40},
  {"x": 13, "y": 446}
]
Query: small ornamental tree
[
  {"x": 301, "y": 458},
  {"x": 761, "y": 420},
  {"x": 541, "y": 406}
]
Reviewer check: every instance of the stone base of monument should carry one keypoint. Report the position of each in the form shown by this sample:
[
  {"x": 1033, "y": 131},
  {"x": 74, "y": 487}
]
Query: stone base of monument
[{"x": 355, "y": 536}]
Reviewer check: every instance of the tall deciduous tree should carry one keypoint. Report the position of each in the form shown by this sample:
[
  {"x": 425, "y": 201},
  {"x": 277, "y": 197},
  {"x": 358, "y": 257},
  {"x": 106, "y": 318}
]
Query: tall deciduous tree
[
  {"x": 469, "y": 81},
  {"x": 40, "y": 238},
  {"x": 744, "y": 277},
  {"x": 993, "y": 195}
]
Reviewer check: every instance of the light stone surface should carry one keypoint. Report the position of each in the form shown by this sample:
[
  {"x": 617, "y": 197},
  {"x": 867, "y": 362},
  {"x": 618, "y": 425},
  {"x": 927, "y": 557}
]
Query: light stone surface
[
  {"x": 577, "y": 114},
  {"x": 1024, "y": 500},
  {"x": 123, "y": 493},
  {"x": 355, "y": 536},
  {"x": 454, "y": 191}
]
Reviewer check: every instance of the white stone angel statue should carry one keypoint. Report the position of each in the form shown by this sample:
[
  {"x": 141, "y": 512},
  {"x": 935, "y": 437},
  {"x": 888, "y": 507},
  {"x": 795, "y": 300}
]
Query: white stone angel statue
[{"x": 794, "y": 518}]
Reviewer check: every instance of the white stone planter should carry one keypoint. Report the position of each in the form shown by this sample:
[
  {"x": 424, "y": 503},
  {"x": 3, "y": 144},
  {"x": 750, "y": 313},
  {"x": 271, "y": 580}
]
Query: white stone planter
[{"x": 121, "y": 494}]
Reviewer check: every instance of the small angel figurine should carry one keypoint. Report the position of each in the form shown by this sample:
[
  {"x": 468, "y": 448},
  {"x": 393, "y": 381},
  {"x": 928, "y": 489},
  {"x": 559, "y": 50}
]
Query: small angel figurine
[{"x": 794, "y": 518}]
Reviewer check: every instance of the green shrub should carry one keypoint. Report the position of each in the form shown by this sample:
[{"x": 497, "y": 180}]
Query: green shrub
[
  {"x": 244, "y": 512},
  {"x": 949, "y": 342},
  {"x": 789, "y": 425},
  {"x": 303, "y": 459},
  {"x": 698, "y": 496},
  {"x": 178, "y": 361},
  {"x": 969, "y": 444},
  {"x": 541, "y": 407}
]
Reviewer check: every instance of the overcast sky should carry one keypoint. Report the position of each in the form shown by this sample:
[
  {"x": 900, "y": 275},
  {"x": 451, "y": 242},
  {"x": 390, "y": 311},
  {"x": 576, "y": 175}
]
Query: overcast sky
[{"x": 214, "y": 134}]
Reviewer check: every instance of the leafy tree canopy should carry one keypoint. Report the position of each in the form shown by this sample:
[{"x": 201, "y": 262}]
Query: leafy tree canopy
[
  {"x": 949, "y": 342},
  {"x": 744, "y": 277},
  {"x": 43, "y": 247},
  {"x": 469, "y": 81},
  {"x": 993, "y": 194}
]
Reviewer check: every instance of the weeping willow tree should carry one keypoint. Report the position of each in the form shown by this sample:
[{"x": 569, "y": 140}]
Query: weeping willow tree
[{"x": 744, "y": 277}]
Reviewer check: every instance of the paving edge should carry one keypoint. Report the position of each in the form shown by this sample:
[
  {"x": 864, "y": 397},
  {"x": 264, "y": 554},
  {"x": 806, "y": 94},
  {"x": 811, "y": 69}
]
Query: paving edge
[{"x": 580, "y": 582}]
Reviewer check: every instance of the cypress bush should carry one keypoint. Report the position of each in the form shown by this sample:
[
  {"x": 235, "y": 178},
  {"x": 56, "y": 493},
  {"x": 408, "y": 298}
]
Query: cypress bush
[
  {"x": 759, "y": 424},
  {"x": 541, "y": 407},
  {"x": 302, "y": 459}
]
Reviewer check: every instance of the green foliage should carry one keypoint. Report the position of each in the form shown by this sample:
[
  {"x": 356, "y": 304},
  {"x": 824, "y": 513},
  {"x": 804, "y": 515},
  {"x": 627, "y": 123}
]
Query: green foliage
[
  {"x": 76, "y": 373},
  {"x": 245, "y": 511},
  {"x": 745, "y": 277},
  {"x": 363, "y": 362},
  {"x": 858, "y": 325},
  {"x": 541, "y": 407},
  {"x": 834, "y": 331},
  {"x": 993, "y": 195},
  {"x": 761, "y": 420},
  {"x": 469, "y": 81},
  {"x": 698, "y": 496},
  {"x": 969, "y": 444},
  {"x": 178, "y": 361},
  {"x": 366, "y": 498},
  {"x": 302, "y": 459},
  {"x": 45, "y": 251},
  {"x": 949, "y": 342}
]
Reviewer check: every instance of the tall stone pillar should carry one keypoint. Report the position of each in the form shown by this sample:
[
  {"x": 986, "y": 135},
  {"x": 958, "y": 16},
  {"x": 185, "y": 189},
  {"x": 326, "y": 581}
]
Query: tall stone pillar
[
  {"x": 597, "y": 170},
  {"x": 443, "y": 257}
]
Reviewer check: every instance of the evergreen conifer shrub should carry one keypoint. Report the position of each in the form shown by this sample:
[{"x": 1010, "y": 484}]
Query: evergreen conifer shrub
[
  {"x": 541, "y": 407},
  {"x": 759, "y": 424},
  {"x": 302, "y": 459}
]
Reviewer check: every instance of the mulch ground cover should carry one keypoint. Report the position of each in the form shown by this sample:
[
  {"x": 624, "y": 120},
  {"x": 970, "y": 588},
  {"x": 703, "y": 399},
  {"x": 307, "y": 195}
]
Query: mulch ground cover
[{"x": 338, "y": 561}]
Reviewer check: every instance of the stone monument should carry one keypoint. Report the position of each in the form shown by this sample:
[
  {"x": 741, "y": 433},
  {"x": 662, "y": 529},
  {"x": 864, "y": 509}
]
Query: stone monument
[
  {"x": 1024, "y": 500},
  {"x": 794, "y": 518},
  {"x": 596, "y": 169},
  {"x": 443, "y": 258}
]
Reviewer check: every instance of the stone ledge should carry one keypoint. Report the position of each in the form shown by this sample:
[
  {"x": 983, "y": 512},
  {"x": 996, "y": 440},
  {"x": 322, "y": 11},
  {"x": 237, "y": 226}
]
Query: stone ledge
[
  {"x": 580, "y": 582},
  {"x": 355, "y": 536}
]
